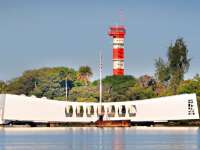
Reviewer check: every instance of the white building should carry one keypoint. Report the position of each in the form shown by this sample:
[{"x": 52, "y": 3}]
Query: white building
[{"x": 32, "y": 109}]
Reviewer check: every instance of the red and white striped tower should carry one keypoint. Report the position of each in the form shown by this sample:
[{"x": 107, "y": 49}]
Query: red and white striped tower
[{"x": 118, "y": 34}]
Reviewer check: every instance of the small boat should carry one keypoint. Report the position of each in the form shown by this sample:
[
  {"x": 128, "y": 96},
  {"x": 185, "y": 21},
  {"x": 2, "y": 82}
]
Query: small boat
[{"x": 112, "y": 123}]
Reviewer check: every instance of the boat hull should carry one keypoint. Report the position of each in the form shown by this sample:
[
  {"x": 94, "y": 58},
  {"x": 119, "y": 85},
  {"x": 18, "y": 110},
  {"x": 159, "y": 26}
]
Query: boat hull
[{"x": 116, "y": 123}]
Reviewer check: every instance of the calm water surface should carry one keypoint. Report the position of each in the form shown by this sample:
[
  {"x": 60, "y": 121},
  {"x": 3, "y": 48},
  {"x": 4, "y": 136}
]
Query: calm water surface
[{"x": 87, "y": 138}]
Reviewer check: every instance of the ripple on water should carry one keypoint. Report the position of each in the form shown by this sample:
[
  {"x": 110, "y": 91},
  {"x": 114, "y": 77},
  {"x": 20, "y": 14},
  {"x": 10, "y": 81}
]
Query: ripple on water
[{"x": 86, "y": 138}]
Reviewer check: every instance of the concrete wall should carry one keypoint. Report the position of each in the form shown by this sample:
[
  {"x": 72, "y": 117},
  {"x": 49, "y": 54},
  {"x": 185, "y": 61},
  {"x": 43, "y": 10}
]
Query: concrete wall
[
  {"x": 23, "y": 108},
  {"x": 167, "y": 108},
  {"x": 30, "y": 108},
  {"x": 164, "y": 108},
  {"x": 2, "y": 101}
]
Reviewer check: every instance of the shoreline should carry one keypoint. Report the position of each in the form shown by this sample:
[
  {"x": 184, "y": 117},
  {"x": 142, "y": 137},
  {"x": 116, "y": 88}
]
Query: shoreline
[{"x": 133, "y": 124}]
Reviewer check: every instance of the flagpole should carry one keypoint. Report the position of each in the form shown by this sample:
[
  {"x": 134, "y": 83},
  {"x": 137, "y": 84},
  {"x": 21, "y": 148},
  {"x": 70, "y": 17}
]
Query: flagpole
[
  {"x": 100, "y": 88},
  {"x": 66, "y": 89}
]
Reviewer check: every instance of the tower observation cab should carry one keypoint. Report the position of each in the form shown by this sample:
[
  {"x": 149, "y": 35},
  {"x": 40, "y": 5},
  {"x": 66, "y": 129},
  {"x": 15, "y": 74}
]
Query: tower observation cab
[{"x": 118, "y": 35}]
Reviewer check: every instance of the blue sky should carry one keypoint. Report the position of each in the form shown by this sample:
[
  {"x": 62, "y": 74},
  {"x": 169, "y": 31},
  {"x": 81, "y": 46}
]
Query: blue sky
[{"x": 46, "y": 33}]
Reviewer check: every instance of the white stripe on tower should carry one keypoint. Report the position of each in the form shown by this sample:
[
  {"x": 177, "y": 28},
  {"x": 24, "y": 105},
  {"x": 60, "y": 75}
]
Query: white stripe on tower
[{"x": 118, "y": 64}]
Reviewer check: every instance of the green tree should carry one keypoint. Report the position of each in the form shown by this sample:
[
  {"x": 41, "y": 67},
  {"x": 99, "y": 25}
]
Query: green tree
[
  {"x": 3, "y": 87},
  {"x": 172, "y": 72},
  {"x": 84, "y": 94},
  {"x": 140, "y": 93},
  {"x": 117, "y": 88},
  {"x": 51, "y": 82},
  {"x": 48, "y": 82},
  {"x": 23, "y": 84},
  {"x": 162, "y": 72},
  {"x": 178, "y": 63},
  {"x": 190, "y": 86}
]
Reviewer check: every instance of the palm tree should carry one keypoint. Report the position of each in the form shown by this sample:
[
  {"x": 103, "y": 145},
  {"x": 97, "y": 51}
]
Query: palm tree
[{"x": 84, "y": 74}]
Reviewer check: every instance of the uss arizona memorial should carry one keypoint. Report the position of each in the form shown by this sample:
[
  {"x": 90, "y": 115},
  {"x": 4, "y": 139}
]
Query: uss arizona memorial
[{"x": 42, "y": 110}]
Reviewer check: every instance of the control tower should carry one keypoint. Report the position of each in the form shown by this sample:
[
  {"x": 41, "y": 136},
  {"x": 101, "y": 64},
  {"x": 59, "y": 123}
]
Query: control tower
[{"x": 118, "y": 35}]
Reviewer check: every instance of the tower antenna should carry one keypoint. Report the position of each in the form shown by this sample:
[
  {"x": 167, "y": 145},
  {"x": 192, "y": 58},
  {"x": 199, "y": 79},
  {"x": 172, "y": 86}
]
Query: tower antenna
[{"x": 121, "y": 17}]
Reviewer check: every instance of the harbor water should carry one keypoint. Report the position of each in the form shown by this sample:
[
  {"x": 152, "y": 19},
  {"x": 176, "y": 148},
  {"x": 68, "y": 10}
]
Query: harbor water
[{"x": 91, "y": 138}]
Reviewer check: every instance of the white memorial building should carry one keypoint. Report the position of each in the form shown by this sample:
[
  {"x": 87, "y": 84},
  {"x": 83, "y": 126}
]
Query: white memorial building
[{"x": 42, "y": 110}]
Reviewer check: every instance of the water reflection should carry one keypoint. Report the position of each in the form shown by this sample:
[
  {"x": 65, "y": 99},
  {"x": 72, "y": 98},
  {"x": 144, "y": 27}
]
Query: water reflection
[
  {"x": 137, "y": 138},
  {"x": 118, "y": 140}
]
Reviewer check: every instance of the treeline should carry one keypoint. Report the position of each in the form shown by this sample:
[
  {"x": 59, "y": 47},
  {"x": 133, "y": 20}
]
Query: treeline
[{"x": 51, "y": 82}]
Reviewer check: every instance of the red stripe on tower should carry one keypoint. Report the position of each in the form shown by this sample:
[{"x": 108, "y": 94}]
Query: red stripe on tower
[{"x": 118, "y": 34}]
